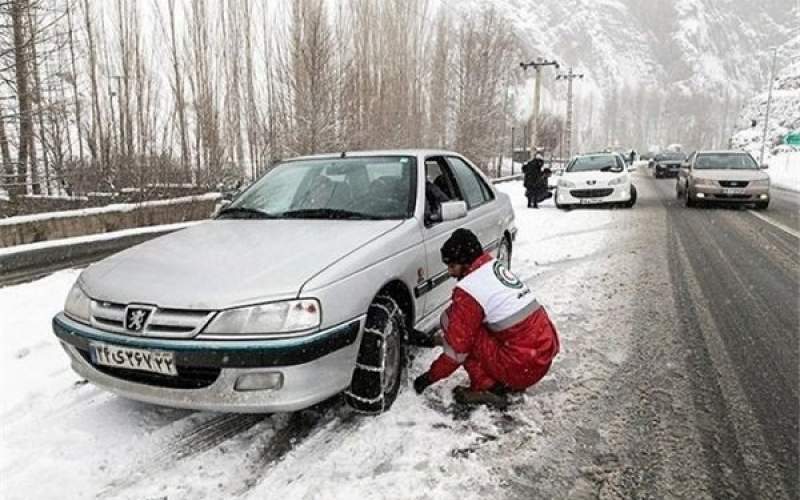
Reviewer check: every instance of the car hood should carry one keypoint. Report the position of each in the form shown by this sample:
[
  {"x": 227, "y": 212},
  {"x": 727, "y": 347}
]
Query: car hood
[
  {"x": 591, "y": 179},
  {"x": 227, "y": 263},
  {"x": 730, "y": 175}
]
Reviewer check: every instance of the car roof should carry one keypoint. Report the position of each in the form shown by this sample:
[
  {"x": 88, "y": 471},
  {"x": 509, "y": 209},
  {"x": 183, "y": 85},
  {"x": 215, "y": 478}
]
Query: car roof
[
  {"x": 599, "y": 153},
  {"x": 377, "y": 152},
  {"x": 723, "y": 151}
]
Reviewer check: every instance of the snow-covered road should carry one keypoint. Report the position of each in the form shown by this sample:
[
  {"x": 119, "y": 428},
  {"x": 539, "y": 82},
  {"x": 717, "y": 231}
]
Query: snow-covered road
[{"x": 616, "y": 389}]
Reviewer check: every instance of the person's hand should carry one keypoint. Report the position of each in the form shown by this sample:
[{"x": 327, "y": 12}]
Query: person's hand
[{"x": 422, "y": 382}]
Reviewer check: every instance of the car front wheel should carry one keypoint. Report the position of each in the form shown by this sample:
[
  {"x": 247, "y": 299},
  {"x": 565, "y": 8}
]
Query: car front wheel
[
  {"x": 381, "y": 358},
  {"x": 762, "y": 205},
  {"x": 634, "y": 195},
  {"x": 690, "y": 202}
]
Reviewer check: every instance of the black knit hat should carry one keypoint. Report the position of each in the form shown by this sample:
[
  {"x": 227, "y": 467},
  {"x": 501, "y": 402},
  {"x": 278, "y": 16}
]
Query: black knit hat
[{"x": 463, "y": 247}]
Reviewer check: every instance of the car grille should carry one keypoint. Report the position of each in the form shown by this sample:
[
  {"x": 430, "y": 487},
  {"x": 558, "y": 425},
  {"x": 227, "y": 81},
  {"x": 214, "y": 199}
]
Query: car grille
[
  {"x": 733, "y": 184},
  {"x": 591, "y": 193},
  {"x": 732, "y": 196},
  {"x": 189, "y": 377},
  {"x": 164, "y": 323}
]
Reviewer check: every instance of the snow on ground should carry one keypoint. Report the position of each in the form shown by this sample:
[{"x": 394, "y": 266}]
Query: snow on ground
[
  {"x": 90, "y": 444},
  {"x": 784, "y": 171}
]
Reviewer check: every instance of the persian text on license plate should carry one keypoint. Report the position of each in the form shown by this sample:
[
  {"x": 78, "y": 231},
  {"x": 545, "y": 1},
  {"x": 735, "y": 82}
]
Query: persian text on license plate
[{"x": 162, "y": 362}]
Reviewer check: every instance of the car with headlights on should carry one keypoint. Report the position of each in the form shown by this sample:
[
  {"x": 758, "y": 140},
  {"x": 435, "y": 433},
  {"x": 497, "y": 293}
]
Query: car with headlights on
[
  {"x": 593, "y": 179},
  {"x": 725, "y": 177},
  {"x": 308, "y": 284}
]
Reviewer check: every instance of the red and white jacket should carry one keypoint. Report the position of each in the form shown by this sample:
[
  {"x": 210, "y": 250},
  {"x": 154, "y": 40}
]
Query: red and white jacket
[{"x": 495, "y": 321}]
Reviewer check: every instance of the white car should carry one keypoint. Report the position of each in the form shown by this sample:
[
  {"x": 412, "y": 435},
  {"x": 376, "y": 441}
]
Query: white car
[
  {"x": 595, "y": 179},
  {"x": 309, "y": 283}
]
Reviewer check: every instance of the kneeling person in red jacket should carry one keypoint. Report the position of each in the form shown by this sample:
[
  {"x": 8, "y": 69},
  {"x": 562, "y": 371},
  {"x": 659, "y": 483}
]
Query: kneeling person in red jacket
[{"x": 494, "y": 327}]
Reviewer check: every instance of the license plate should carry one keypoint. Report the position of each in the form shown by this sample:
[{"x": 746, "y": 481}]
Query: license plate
[
  {"x": 162, "y": 362},
  {"x": 591, "y": 201},
  {"x": 733, "y": 190}
]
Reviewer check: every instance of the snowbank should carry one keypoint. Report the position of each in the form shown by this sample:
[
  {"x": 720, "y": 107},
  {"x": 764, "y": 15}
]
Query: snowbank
[
  {"x": 93, "y": 238},
  {"x": 50, "y": 226},
  {"x": 784, "y": 171},
  {"x": 117, "y": 207}
]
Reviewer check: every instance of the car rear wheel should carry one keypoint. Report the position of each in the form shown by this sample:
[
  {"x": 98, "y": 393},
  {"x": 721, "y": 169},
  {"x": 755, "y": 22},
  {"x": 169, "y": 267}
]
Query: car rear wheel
[{"x": 381, "y": 358}]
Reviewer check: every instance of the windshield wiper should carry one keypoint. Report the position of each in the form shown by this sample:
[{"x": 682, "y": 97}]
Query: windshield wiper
[
  {"x": 243, "y": 213},
  {"x": 328, "y": 213}
]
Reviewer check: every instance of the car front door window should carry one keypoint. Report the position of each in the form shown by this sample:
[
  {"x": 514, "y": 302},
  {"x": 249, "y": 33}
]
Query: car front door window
[{"x": 475, "y": 194}]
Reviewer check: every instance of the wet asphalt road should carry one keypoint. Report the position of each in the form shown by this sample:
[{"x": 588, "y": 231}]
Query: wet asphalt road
[{"x": 721, "y": 366}]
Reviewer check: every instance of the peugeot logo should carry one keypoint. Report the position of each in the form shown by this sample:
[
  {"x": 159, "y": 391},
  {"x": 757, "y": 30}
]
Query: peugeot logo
[
  {"x": 591, "y": 183},
  {"x": 136, "y": 317}
]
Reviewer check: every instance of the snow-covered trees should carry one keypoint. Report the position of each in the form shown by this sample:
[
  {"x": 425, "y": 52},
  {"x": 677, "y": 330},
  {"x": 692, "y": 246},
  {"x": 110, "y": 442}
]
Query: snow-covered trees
[{"x": 96, "y": 96}]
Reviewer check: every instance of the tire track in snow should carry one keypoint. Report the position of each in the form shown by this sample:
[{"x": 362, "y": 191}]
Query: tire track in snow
[
  {"x": 323, "y": 419},
  {"x": 185, "y": 444}
]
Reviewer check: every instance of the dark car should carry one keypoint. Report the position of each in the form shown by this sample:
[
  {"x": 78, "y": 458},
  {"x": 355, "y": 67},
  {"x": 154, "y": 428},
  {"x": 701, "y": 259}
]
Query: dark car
[{"x": 668, "y": 164}]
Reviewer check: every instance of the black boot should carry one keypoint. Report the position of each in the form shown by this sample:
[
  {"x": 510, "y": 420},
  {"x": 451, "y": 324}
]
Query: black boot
[{"x": 465, "y": 396}]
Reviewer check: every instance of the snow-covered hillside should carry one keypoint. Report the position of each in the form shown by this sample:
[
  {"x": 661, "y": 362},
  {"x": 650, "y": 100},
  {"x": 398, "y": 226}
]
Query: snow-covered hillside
[
  {"x": 691, "y": 45},
  {"x": 784, "y": 112},
  {"x": 656, "y": 71}
]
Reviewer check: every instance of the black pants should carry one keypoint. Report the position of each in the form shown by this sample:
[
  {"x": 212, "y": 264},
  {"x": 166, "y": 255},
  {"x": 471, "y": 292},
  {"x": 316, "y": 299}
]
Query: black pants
[{"x": 537, "y": 196}]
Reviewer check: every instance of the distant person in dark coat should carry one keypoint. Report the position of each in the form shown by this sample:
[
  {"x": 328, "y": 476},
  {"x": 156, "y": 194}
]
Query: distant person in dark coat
[{"x": 535, "y": 181}]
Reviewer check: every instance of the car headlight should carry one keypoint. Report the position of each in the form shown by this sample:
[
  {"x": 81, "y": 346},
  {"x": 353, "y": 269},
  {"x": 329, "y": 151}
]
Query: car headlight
[
  {"x": 78, "y": 304},
  {"x": 291, "y": 316},
  {"x": 617, "y": 181},
  {"x": 761, "y": 183},
  {"x": 564, "y": 183},
  {"x": 699, "y": 181}
]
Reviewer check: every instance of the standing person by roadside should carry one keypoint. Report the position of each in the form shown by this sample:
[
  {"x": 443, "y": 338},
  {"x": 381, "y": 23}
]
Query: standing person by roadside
[
  {"x": 534, "y": 179},
  {"x": 494, "y": 327}
]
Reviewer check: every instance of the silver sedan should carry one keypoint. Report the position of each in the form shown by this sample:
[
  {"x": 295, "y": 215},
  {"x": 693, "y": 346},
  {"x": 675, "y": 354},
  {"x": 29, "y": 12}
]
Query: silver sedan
[
  {"x": 308, "y": 284},
  {"x": 730, "y": 177}
]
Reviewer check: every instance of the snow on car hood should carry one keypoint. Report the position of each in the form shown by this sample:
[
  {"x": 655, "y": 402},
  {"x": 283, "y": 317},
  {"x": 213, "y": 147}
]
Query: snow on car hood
[
  {"x": 226, "y": 263},
  {"x": 730, "y": 174}
]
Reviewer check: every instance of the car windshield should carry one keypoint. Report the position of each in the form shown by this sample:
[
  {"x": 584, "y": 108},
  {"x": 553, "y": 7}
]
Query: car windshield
[
  {"x": 603, "y": 163},
  {"x": 671, "y": 156},
  {"x": 725, "y": 161},
  {"x": 366, "y": 188}
]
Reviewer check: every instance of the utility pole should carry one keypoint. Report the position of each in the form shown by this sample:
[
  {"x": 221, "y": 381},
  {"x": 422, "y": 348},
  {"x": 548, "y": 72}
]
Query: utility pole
[
  {"x": 537, "y": 64},
  {"x": 569, "y": 76},
  {"x": 769, "y": 103}
]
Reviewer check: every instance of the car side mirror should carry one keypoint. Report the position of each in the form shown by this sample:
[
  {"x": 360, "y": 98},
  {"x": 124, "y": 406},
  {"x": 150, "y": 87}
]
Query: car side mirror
[
  {"x": 764, "y": 166},
  {"x": 452, "y": 210}
]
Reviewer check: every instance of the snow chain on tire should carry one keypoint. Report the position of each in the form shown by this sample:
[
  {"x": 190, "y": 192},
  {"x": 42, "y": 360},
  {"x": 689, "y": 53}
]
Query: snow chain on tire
[{"x": 366, "y": 393}]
